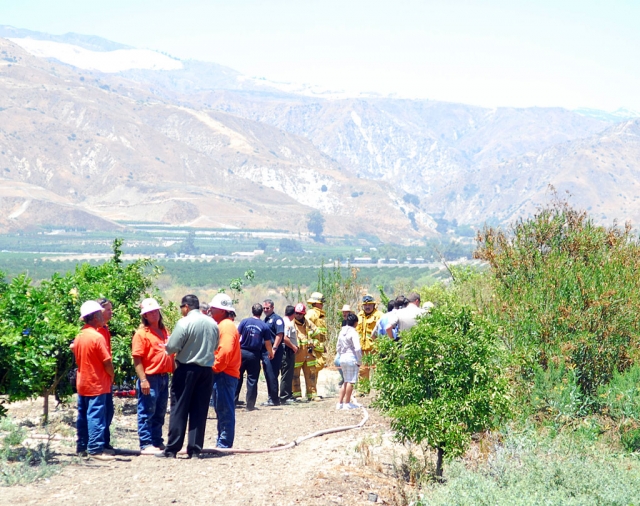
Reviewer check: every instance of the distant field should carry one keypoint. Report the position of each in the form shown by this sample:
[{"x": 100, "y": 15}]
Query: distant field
[{"x": 217, "y": 274}]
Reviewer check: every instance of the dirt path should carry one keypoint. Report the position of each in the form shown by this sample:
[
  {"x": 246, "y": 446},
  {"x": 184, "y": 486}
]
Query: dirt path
[{"x": 325, "y": 470}]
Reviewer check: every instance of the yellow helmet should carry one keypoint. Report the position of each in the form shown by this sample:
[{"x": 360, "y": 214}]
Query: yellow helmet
[{"x": 316, "y": 297}]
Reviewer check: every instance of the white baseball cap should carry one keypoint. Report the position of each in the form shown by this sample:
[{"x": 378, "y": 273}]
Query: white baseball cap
[
  {"x": 148, "y": 305},
  {"x": 89, "y": 307},
  {"x": 222, "y": 301}
]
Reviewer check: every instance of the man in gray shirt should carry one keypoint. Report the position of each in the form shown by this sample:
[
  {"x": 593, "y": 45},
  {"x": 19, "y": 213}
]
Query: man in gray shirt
[
  {"x": 405, "y": 318},
  {"x": 194, "y": 341}
]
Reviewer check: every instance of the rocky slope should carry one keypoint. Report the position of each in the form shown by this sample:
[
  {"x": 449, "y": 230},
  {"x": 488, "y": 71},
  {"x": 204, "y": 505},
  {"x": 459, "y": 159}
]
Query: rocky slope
[
  {"x": 111, "y": 149},
  {"x": 206, "y": 146}
]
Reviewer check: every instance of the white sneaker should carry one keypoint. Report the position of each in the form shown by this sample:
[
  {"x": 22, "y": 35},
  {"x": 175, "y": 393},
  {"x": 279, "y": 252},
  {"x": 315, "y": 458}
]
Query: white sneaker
[
  {"x": 339, "y": 405},
  {"x": 150, "y": 450},
  {"x": 350, "y": 405}
]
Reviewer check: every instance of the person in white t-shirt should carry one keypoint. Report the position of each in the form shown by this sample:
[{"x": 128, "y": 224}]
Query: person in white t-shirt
[
  {"x": 288, "y": 358},
  {"x": 348, "y": 346}
]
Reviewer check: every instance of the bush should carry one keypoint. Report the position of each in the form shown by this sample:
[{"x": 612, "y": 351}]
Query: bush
[
  {"x": 38, "y": 323},
  {"x": 621, "y": 397},
  {"x": 567, "y": 294},
  {"x": 442, "y": 382}
]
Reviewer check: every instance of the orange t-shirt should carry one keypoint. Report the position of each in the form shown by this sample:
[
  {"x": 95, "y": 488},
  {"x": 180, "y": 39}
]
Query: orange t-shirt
[
  {"x": 228, "y": 355},
  {"x": 150, "y": 348},
  {"x": 91, "y": 352},
  {"x": 107, "y": 336}
]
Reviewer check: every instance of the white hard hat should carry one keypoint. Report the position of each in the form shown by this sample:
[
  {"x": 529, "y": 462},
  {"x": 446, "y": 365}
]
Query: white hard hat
[
  {"x": 89, "y": 307},
  {"x": 222, "y": 301},
  {"x": 316, "y": 297},
  {"x": 346, "y": 307},
  {"x": 148, "y": 305},
  {"x": 428, "y": 305}
]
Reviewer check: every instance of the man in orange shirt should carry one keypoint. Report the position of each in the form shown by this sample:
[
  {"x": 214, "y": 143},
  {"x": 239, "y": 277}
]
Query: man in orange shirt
[
  {"x": 226, "y": 369},
  {"x": 153, "y": 367},
  {"x": 94, "y": 380}
]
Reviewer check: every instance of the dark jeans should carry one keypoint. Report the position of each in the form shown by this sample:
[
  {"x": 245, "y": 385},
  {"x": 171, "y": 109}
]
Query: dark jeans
[
  {"x": 250, "y": 364},
  {"x": 286, "y": 380},
  {"x": 151, "y": 410},
  {"x": 91, "y": 423},
  {"x": 224, "y": 387},
  {"x": 108, "y": 418},
  {"x": 190, "y": 393},
  {"x": 271, "y": 370}
]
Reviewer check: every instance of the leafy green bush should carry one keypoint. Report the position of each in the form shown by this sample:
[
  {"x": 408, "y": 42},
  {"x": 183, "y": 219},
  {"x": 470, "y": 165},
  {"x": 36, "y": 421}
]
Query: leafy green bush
[
  {"x": 556, "y": 392},
  {"x": 526, "y": 477},
  {"x": 567, "y": 294},
  {"x": 37, "y": 323},
  {"x": 620, "y": 398},
  {"x": 443, "y": 381}
]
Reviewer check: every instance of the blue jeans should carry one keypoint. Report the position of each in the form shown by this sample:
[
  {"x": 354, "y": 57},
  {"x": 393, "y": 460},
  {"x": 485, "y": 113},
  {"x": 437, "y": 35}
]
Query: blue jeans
[
  {"x": 151, "y": 410},
  {"x": 224, "y": 388},
  {"x": 108, "y": 418},
  {"x": 91, "y": 423}
]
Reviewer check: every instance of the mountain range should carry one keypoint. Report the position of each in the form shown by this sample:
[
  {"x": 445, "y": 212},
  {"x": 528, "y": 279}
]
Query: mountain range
[{"x": 96, "y": 134}]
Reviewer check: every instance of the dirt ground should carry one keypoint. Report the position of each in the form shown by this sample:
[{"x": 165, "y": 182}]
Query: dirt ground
[{"x": 351, "y": 468}]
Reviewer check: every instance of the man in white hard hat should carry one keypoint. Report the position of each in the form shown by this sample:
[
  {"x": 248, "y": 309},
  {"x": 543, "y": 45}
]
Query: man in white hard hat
[
  {"x": 317, "y": 316},
  {"x": 94, "y": 380},
  {"x": 226, "y": 369}
]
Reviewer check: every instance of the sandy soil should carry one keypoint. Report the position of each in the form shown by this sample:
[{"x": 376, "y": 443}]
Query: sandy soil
[{"x": 332, "y": 469}]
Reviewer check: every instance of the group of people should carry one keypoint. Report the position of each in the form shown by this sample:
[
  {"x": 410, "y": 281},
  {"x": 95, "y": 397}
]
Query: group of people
[{"x": 207, "y": 356}]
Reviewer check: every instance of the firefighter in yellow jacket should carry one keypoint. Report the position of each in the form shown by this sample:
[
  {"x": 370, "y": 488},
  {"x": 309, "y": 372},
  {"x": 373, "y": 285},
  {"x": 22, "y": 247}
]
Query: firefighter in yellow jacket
[
  {"x": 368, "y": 317},
  {"x": 316, "y": 316},
  {"x": 305, "y": 360}
]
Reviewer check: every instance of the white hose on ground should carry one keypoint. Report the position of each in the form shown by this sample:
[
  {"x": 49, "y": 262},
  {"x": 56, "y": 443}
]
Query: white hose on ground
[
  {"x": 292, "y": 444},
  {"x": 230, "y": 451}
]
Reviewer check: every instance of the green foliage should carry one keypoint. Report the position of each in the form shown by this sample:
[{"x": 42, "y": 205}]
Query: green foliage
[
  {"x": 524, "y": 471},
  {"x": 442, "y": 382},
  {"x": 339, "y": 286},
  {"x": 567, "y": 293},
  {"x": 630, "y": 440},
  {"x": 20, "y": 465},
  {"x": 315, "y": 224},
  {"x": 236, "y": 285},
  {"x": 556, "y": 392},
  {"x": 620, "y": 398},
  {"x": 37, "y": 323},
  {"x": 289, "y": 246}
]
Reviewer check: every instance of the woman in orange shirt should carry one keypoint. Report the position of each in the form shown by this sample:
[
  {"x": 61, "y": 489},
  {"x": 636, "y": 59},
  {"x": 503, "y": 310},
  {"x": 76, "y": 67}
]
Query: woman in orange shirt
[{"x": 153, "y": 366}]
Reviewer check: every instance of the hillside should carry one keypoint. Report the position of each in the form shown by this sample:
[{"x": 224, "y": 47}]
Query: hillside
[
  {"x": 106, "y": 146},
  {"x": 199, "y": 144}
]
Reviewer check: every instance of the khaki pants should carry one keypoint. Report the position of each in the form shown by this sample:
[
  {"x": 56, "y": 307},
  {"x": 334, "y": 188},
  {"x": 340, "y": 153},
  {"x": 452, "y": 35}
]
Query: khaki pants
[
  {"x": 306, "y": 362},
  {"x": 365, "y": 370}
]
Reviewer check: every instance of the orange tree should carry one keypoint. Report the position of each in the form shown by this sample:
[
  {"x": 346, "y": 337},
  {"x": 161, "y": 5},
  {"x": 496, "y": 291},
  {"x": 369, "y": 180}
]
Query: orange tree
[
  {"x": 443, "y": 381},
  {"x": 38, "y": 323}
]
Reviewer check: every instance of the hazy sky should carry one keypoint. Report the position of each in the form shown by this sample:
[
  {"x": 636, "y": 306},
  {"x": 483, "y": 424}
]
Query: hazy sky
[{"x": 493, "y": 53}]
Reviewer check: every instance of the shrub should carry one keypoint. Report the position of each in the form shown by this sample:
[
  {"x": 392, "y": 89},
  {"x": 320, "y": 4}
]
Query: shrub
[
  {"x": 620, "y": 398},
  {"x": 442, "y": 382},
  {"x": 37, "y": 323},
  {"x": 567, "y": 294}
]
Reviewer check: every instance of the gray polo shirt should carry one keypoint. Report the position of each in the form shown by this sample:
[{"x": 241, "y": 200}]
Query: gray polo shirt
[
  {"x": 194, "y": 339},
  {"x": 404, "y": 318}
]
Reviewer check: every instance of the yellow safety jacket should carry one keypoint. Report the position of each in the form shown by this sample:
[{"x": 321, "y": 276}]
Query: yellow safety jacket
[
  {"x": 366, "y": 324},
  {"x": 306, "y": 333},
  {"x": 317, "y": 317}
]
